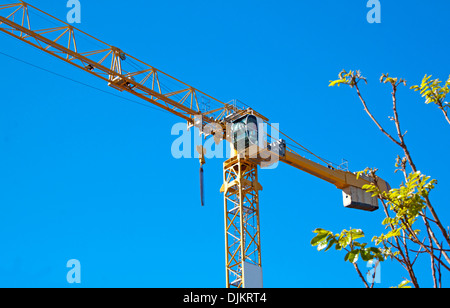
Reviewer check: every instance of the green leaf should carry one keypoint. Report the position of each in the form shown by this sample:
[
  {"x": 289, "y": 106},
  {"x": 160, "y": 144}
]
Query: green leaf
[
  {"x": 356, "y": 233},
  {"x": 352, "y": 256},
  {"x": 322, "y": 245},
  {"x": 320, "y": 231},
  {"x": 336, "y": 82},
  {"x": 318, "y": 238},
  {"x": 330, "y": 243},
  {"x": 366, "y": 255},
  {"x": 404, "y": 284},
  {"x": 387, "y": 221}
]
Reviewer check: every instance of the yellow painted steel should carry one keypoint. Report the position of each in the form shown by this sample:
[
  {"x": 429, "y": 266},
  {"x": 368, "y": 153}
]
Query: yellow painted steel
[
  {"x": 242, "y": 229},
  {"x": 341, "y": 179},
  {"x": 143, "y": 82}
]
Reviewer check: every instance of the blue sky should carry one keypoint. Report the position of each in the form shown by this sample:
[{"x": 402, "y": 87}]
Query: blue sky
[{"x": 89, "y": 176}]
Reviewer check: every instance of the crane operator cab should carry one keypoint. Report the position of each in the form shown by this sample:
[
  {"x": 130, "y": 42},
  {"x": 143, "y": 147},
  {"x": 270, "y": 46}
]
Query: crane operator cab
[
  {"x": 248, "y": 139},
  {"x": 244, "y": 133}
]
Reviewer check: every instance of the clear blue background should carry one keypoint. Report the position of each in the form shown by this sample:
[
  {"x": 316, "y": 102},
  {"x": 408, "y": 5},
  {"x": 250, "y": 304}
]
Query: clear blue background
[{"x": 89, "y": 176}]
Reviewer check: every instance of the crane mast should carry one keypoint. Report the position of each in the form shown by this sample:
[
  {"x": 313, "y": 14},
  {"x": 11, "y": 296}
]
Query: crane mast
[{"x": 241, "y": 188}]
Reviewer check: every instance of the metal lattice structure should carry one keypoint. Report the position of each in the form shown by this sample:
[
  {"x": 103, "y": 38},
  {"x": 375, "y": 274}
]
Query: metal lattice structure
[
  {"x": 242, "y": 233},
  {"x": 111, "y": 64}
]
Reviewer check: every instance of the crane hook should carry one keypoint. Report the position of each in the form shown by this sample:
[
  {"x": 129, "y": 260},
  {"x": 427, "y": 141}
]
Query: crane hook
[{"x": 201, "y": 151}]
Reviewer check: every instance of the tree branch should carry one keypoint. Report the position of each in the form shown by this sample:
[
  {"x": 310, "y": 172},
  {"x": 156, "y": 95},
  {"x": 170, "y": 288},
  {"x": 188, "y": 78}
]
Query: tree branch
[
  {"x": 366, "y": 109},
  {"x": 402, "y": 144},
  {"x": 446, "y": 115},
  {"x": 360, "y": 275}
]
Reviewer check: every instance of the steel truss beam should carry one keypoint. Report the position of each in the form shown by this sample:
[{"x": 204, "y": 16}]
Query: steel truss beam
[{"x": 121, "y": 70}]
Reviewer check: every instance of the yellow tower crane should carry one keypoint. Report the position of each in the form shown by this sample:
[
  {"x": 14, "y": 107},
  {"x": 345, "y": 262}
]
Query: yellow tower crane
[{"x": 240, "y": 126}]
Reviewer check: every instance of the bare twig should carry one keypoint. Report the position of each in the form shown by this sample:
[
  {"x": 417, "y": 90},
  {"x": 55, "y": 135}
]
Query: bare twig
[{"x": 373, "y": 118}]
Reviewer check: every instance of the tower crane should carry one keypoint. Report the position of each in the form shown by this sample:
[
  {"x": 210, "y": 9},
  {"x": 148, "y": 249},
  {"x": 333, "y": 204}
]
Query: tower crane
[{"x": 240, "y": 126}]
